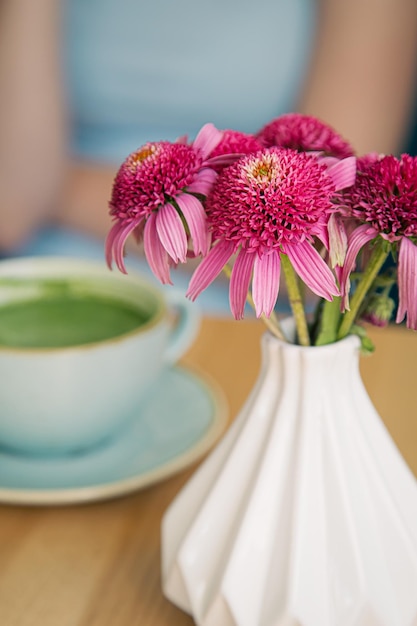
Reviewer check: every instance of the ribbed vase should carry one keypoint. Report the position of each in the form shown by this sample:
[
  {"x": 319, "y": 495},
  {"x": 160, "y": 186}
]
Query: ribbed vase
[{"x": 305, "y": 514}]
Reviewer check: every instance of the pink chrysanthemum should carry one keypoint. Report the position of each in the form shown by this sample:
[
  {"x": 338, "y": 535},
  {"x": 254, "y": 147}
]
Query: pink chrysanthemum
[
  {"x": 384, "y": 201},
  {"x": 385, "y": 196},
  {"x": 156, "y": 195},
  {"x": 262, "y": 206},
  {"x": 304, "y": 133}
]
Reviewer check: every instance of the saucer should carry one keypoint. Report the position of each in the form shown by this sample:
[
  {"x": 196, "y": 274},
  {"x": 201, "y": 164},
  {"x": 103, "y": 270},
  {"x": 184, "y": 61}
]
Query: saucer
[{"x": 178, "y": 421}]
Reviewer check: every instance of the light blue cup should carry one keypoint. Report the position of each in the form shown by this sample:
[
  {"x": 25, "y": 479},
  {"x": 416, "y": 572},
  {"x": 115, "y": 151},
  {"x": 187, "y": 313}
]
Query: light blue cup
[{"x": 65, "y": 400}]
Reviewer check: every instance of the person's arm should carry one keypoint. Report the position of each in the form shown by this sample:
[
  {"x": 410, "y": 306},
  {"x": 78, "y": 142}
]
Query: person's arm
[
  {"x": 32, "y": 127},
  {"x": 364, "y": 71}
]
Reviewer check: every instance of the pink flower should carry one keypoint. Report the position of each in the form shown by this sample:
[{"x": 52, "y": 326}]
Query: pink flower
[
  {"x": 156, "y": 195},
  {"x": 304, "y": 133},
  {"x": 385, "y": 196},
  {"x": 267, "y": 204},
  {"x": 384, "y": 201}
]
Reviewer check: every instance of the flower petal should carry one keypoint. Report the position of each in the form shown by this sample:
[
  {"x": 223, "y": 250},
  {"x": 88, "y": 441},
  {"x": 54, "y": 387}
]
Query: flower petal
[
  {"x": 312, "y": 269},
  {"x": 171, "y": 232},
  {"x": 116, "y": 240},
  {"x": 110, "y": 242},
  {"x": 195, "y": 216},
  {"x": 224, "y": 159},
  {"x": 337, "y": 240},
  {"x": 239, "y": 282},
  {"x": 265, "y": 283},
  {"x": 203, "y": 182},
  {"x": 407, "y": 283},
  {"x": 358, "y": 238},
  {"x": 155, "y": 253},
  {"x": 328, "y": 161},
  {"x": 207, "y": 139},
  {"x": 343, "y": 173},
  {"x": 209, "y": 268}
]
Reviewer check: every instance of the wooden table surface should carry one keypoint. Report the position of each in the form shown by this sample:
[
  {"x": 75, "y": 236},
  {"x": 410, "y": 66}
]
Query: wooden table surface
[{"x": 98, "y": 564}]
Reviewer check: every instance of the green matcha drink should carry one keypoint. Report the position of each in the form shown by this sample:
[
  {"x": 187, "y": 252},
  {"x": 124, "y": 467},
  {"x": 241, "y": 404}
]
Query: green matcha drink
[{"x": 66, "y": 320}]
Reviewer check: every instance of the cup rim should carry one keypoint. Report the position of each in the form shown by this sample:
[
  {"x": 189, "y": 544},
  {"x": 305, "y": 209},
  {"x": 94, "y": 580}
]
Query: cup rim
[{"x": 55, "y": 265}]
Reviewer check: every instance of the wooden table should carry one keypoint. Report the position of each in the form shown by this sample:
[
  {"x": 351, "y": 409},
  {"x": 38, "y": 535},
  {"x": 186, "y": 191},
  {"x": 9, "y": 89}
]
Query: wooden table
[{"x": 99, "y": 564}]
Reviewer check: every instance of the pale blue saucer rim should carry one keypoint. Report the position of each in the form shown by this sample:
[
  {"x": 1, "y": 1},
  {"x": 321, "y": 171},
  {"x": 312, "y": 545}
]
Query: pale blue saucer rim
[{"x": 107, "y": 490}]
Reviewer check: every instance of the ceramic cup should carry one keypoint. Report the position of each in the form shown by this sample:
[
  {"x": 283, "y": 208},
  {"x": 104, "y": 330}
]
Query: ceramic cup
[{"x": 58, "y": 400}]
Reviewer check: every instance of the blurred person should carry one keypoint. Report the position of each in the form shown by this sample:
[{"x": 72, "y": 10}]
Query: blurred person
[{"x": 83, "y": 83}]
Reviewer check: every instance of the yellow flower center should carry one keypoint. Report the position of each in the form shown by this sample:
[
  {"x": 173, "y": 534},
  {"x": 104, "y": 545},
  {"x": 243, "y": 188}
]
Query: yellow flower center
[
  {"x": 263, "y": 170},
  {"x": 141, "y": 155}
]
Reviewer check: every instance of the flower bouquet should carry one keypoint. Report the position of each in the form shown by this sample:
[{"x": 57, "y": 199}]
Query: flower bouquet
[
  {"x": 320, "y": 525},
  {"x": 292, "y": 198}
]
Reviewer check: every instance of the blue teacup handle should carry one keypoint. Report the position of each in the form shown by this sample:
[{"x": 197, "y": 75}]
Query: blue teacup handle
[{"x": 187, "y": 326}]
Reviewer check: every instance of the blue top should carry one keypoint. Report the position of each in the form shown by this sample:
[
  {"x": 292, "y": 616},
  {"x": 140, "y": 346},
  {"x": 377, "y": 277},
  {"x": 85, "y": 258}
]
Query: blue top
[{"x": 142, "y": 72}]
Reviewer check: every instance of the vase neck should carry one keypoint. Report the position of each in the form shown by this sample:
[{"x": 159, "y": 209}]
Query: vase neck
[{"x": 333, "y": 360}]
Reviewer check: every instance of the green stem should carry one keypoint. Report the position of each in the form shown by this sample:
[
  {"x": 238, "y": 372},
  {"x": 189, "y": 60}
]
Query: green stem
[
  {"x": 296, "y": 301},
  {"x": 329, "y": 321},
  {"x": 270, "y": 322},
  {"x": 376, "y": 261}
]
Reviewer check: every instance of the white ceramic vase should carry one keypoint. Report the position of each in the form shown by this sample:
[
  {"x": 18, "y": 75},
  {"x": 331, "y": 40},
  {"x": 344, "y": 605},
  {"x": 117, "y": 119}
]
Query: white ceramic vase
[{"x": 305, "y": 514}]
